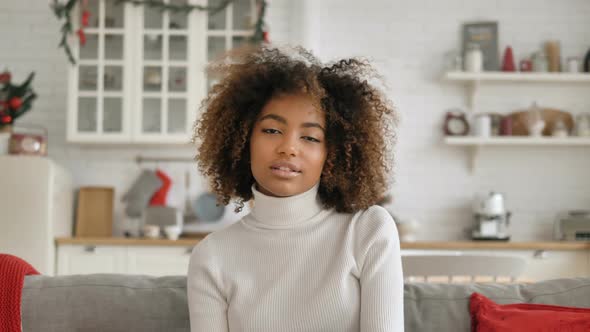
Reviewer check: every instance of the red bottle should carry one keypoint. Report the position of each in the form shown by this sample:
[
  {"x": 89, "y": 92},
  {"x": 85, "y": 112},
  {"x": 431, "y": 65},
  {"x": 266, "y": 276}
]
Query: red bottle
[{"x": 508, "y": 61}]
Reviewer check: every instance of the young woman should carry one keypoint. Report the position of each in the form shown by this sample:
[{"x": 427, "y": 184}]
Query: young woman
[{"x": 311, "y": 146}]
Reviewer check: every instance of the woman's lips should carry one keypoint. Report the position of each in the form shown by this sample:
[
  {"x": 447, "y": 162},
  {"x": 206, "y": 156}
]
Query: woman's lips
[{"x": 284, "y": 172}]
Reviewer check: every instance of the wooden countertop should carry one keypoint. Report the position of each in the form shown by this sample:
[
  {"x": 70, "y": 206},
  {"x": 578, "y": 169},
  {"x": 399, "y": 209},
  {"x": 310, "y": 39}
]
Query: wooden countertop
[
  {"x": 122, "y": 241},
  {"x": 421, "y": 245},
  {"x": 465, "y": 245}
]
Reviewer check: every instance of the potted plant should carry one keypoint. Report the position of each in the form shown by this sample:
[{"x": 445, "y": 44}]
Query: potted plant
[{"x": 15, "y": 100}]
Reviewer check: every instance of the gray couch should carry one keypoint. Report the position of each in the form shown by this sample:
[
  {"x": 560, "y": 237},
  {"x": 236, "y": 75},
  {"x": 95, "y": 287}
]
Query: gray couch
[{"x": 104, "y": 302}]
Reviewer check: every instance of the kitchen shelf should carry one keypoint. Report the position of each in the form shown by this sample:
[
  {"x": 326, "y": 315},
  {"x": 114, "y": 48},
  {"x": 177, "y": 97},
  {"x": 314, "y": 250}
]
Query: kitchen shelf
[
  {"x": 474, "y": 80},
  {"x": 505, "y": 77},
  {"x": 518, "y": 141},
  {"x": 474, "y": 144}
]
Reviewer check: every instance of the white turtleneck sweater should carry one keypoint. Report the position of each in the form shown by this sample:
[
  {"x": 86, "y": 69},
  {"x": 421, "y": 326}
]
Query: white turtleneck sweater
[{"x": 291, "y": 265}]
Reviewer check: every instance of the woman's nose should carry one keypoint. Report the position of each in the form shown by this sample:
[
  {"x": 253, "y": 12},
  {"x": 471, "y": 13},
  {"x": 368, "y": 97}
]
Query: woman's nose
[{"x": 288, "y": 146}]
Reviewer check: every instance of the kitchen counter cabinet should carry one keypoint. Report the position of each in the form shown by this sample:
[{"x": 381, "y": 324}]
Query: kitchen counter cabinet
[
  {"x": 450, "y": 245},
  {"x": 541, "y": 264},
  {"x": 122, "y": 259},
  {"x": 158, "y": 257}
]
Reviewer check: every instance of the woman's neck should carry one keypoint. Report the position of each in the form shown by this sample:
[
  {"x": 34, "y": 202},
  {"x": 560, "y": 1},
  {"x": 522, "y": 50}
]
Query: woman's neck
[{"x": 284, "y": 212}]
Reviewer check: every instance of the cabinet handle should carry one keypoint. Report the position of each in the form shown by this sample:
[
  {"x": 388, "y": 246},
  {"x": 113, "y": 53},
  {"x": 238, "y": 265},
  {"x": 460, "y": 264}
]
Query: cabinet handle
[
  {"x": 89, "y": 248},
  {"x": 540, "y": 254}
]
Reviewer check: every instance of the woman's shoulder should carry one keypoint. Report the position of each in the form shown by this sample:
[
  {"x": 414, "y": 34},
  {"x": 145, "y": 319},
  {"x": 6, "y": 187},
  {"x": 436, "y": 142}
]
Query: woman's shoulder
[
  {"x": 372, "y": 223},
  {"x": 374, "y": 215},
  {"x": 214, "y": 241},
  {"x": 373, "y": 227}
]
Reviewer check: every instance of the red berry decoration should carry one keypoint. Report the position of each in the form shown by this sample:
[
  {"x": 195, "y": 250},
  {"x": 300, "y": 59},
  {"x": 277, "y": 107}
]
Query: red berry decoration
[
  {"x": 15, "y": 103},
  {"x": 6, "y": 119},
  {"x": 265, "y": 36},
  {"x": 85, "y": 18},
  {"x": 508, "y": 61},
  {"x": 82, "y": 36},
  {"x": 5, "y": 77}
]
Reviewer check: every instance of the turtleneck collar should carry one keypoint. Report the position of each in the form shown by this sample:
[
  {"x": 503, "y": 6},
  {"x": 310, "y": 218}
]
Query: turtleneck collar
[{"x": 285, "y": 212}]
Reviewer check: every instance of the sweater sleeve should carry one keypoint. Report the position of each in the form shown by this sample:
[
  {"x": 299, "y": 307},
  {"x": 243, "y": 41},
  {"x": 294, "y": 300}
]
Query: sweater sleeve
[
  {"x": 381, "y": 277},
  {"x": 206, "y": 302}
]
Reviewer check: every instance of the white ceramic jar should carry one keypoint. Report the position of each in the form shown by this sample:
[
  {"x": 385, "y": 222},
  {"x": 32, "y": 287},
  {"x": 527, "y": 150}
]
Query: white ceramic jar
[
  {"x": 473, "y": 59},
  {"x": 482, "y": 125}
]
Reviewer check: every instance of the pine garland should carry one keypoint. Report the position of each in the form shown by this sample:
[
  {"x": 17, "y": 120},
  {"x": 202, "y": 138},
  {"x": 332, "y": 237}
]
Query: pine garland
[{"x": 63, "y": 12}]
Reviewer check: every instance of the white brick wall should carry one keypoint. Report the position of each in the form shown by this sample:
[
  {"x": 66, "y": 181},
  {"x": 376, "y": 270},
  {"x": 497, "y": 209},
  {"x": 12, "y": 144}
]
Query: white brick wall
[{"x": 407, "y": 41}]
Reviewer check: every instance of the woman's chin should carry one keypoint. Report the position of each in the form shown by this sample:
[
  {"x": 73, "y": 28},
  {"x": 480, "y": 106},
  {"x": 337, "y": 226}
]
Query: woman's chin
[{"x": 279, "y": 189}]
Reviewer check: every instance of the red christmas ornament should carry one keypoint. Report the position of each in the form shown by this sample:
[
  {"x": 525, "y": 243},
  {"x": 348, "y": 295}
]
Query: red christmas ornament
[
  {"x": 508, "y": 61},
  {"x": 15, "y": 103},
  {"x": 85, "y": 18},
  {"x": 5, "y": 77},
  {"x": 265, "y": 36},
  {"x": 6, "y": 119},
  {"x": 81, "y": 36}
]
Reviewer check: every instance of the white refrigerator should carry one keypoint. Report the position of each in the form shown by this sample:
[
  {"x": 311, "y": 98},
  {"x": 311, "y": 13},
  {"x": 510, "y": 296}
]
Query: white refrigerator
[{"x": 36, "y": 206}]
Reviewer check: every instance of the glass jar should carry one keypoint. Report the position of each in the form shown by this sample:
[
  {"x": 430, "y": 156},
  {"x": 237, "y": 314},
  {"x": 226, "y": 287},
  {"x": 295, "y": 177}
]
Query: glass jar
[
  {"x": 583, "y": 125},
  {"x": 540, "y": 63},
  {"x": 453, "y": 61},
  {"x": 573, "y": 64}
]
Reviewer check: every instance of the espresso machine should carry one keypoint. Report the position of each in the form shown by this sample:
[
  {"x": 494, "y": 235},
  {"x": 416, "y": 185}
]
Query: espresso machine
[{"x": 491, "y": 220}]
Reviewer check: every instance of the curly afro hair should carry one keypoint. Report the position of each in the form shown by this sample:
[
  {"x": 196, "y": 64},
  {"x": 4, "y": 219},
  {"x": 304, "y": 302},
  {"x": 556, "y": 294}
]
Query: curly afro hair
[{"x": 360, "y": 123}]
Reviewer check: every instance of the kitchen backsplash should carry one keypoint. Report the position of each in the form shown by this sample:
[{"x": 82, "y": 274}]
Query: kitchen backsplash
[{"x": 407, "y": 42}]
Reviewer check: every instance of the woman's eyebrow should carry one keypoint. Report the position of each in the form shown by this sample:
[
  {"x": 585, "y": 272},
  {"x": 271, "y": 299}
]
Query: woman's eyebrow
[{"x": 284, "y": 121}]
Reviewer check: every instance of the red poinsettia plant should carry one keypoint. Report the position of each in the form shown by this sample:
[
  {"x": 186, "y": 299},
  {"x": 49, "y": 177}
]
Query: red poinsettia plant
[{"x": 15, "y": 100}]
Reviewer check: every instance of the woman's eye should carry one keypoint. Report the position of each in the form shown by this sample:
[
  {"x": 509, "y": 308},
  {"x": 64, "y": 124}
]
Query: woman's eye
[
  {"x": 270, "y": 131},
  {"x": 311, "y": 139}
]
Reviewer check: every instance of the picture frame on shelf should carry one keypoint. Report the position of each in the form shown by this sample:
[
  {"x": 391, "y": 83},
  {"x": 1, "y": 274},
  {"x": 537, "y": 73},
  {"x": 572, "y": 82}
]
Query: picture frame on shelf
[{"x": 484, "y": 34}]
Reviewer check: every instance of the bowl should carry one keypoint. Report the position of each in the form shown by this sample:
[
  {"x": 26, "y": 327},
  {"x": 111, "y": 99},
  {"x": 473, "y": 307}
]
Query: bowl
[{"x": 172, "y": 232}]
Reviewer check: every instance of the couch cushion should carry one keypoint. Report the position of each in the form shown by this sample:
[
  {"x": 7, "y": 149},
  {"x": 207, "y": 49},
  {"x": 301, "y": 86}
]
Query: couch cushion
[
  {"x": 488, "y": 316},
  {"x": 105, "y": 302},
  {"x": 445, "y": 307}
]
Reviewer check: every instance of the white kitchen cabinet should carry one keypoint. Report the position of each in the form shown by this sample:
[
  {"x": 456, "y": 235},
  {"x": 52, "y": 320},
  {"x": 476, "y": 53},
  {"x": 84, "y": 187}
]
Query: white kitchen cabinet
[
  {"x": 99, "y": 107},
  {"x": 551, "y": 264},
  {"x": 140, "y": 75},
  {"x": 87, "y": 259},
  {"x": 540, "y": 264},
  {"x": 146, "y": 260},
  {"x": 158, "y": 261}
]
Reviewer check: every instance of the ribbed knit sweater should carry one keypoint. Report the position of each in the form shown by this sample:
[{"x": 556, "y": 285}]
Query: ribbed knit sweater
[{"x": 292, "y": 265}]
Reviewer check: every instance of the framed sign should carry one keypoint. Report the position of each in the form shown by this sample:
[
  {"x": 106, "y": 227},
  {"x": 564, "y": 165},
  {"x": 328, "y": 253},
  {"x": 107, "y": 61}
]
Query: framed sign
[{"x": 485, "y": 34}]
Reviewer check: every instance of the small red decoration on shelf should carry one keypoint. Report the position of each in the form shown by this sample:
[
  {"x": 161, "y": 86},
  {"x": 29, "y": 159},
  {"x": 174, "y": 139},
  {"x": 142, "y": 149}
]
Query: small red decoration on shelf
[{"x": 508, "y": 61}]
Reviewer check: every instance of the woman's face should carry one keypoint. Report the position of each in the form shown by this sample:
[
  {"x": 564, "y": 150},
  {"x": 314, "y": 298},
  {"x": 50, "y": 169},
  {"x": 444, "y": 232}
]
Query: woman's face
[{"x": 288, "y": 146}]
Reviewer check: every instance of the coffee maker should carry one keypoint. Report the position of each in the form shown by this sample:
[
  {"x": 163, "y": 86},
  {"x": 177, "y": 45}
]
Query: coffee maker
[{"x": 491, "y": 219}]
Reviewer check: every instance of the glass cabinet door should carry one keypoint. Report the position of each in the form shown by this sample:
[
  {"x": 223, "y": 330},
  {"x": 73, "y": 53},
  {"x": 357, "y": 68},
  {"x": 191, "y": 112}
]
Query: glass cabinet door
[
  {"x": 101, "y": 75},
  {"x": 229, "y": 28},
  {"x": 164, "y": 83}
]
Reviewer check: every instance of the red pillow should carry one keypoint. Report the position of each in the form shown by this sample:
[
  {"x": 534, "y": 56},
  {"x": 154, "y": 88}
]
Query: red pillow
[{"x": 488, "y": 316}]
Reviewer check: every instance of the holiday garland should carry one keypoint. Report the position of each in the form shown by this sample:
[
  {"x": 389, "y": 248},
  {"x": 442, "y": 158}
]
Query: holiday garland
[{"x": 62, "y": 11}]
